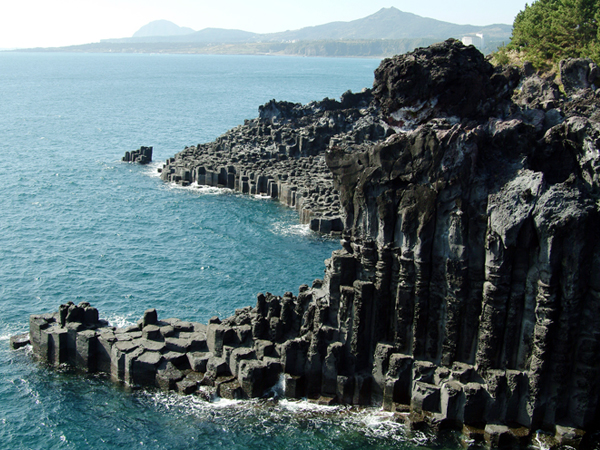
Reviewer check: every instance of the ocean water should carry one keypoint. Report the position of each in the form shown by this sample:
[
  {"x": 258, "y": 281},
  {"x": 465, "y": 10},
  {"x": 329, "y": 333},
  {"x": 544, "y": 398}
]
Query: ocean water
[{"x": 77, "y": 224}]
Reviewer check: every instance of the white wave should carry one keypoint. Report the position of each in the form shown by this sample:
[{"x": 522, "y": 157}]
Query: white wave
[
  {"x": 301, "y": 406},
  {"x": 194, "y": 403},
  {"x": 152, "y": 169},
  {"x": 122, "y": 321},
  {"x": 380, "y": 421},
  {"x": 8, "y": 331},
  {"x": 199, "y": 189},
  {"x": 380, "y": 424},
  {"x": 219, "y": 402},
  {"x": 263, "y": 197},
  {"x": 287, "y": 229},
  {"x": 376, "y": 418},
  {"x": 210, "y": 190},
  {"x": 419, "y": 438},
  {"x": 371, "y": 422}
]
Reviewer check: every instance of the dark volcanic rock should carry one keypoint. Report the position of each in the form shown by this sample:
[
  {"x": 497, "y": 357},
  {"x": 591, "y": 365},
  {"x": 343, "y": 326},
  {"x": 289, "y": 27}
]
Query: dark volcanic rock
[
  {"x": 577, "y": 74},
  {"x": 466, "y": 291},
  {"x": 280, "y": 155},
  {"x": 479, "y": 240},
  {"x": 143, "y": 155},
  {"x": 18, "y": 341},
  {"x": 448, "y": 77}
]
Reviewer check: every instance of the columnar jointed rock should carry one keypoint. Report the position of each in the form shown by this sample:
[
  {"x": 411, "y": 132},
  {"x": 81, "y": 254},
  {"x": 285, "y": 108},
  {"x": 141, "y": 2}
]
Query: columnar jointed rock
[
  {"x": 475, "y": 241},
  {"x": 66, "y": 336},
  {"x": 241, "y": 357},
  {"x": 143, "y": 155},
  {"x": 466, "y": 292},
  {"x": 281, "y": 155}
]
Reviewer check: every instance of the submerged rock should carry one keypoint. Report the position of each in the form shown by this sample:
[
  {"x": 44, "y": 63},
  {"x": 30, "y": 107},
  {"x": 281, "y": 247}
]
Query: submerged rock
[{"x": 19, "y": 341}]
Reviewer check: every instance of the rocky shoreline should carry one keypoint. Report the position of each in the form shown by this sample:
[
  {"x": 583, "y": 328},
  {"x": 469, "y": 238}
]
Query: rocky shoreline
[
  {"x": 465, "y": 294},
  {"x": 281, "y": 155}
]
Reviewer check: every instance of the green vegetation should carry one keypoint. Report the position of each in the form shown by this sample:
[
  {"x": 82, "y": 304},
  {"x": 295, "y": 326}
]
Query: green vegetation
[{"x": 550, "y": 30}]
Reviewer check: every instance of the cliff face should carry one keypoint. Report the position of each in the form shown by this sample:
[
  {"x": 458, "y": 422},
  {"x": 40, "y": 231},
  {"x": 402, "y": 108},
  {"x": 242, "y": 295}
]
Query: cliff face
[
  {"x": 466, "y": 290},
  {"x": 466, "y": 286},
  {"x": 475, "y": 234}
]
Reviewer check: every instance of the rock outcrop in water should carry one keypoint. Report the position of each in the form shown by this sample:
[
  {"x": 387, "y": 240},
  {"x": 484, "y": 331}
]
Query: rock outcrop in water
[
  {"x": 466, "y": 292},
  {"x": 142, "y": 155}
]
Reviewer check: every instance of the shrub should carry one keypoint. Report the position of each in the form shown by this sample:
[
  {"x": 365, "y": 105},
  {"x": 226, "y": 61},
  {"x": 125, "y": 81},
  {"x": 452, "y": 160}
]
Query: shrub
[{"x": 550, "y": 30}]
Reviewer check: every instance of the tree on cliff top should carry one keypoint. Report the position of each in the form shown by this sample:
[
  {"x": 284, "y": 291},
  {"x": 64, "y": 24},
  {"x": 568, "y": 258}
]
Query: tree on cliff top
[{"x": 550, "y": 30}]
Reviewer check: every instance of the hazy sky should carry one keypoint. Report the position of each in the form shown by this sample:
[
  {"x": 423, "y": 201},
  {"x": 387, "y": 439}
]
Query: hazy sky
[{"x": 49, "y": 23}]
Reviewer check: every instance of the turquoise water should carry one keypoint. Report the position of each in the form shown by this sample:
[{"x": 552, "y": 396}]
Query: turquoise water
[{"x": 77, "y": 224}]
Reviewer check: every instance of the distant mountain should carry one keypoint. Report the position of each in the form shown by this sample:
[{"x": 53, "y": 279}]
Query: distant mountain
[
  {"x": 206, "y": 35},
  {"x": 387, "y": 23},
  {"x": 387, "y": 32},
  {"x": 220, "y": 35},
  {"x": 391, "y": 23},
  {"x": 161, "y": 28}
]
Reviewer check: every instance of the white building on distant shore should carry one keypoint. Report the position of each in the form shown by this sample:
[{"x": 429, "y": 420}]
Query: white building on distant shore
[{"x": 476, "y": 40}]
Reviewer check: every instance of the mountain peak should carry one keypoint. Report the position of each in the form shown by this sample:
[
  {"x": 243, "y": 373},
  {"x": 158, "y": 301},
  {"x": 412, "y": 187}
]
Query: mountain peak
[
  {"x": 162, "y": 28},
  {"x": 386, "y": 24}
]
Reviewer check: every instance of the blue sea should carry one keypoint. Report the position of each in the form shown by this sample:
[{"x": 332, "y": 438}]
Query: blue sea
[{"x": 76, "y": 224}]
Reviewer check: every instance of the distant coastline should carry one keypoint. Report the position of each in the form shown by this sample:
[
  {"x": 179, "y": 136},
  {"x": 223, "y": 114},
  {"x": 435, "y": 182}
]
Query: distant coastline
[
  {"x": 360, "y": 48},
  {"x": 386, "y": 33},
  {"x": 371, "y": 48}
]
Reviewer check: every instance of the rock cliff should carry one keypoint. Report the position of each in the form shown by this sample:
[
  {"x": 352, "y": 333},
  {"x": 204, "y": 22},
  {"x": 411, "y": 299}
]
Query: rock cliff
[
  {"x": 475, "y": 233},
  {"x": 466, "y": 290},
  {"x": 281, "y": 154}
]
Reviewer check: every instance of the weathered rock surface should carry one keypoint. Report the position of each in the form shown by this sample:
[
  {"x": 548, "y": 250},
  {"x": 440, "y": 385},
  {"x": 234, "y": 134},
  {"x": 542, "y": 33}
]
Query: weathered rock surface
[
  {"x": 142, "y": 155},
  {"x": 466, "y": 292}
]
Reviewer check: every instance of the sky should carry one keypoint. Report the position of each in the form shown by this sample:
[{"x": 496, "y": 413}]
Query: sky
[{"x": 57, "y": 23}]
